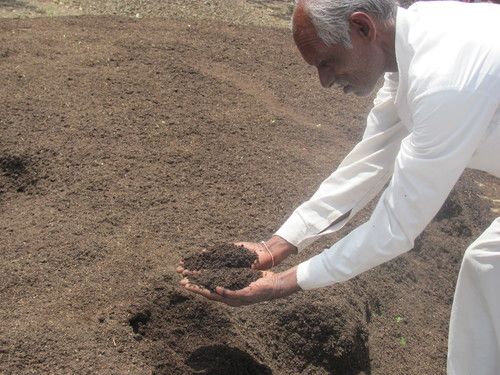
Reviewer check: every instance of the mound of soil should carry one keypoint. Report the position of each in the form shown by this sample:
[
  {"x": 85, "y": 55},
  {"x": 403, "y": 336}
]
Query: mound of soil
[
  {"x": 180, "y": 333},
  {"x": 330, "y": 336}
]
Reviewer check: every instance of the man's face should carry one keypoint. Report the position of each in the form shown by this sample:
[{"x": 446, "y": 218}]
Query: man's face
[{"x": 355, "y": 69}]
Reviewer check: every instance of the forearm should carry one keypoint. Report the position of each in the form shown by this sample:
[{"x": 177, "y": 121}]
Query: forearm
[
  {"x": 429, "y": 163},
  {"x": 280, "y": 248},
  {"x": 357, "y": 180},
  {"x": 286, "y": 283}
]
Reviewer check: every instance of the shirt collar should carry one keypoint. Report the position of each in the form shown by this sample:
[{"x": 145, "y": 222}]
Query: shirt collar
[{"x": 403, "y": 50}]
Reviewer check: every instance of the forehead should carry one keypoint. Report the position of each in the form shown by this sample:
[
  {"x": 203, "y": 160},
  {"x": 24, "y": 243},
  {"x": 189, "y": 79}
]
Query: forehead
[{"x": 304, "y": 34}]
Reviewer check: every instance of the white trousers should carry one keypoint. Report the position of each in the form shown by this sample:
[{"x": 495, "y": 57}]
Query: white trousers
[{"x": 474, "y": 339}]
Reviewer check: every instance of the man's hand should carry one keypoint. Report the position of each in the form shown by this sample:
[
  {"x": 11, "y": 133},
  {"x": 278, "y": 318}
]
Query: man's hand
[
  {"x": 279, "y": 250},
  {"x": 270, "y": 286},
  {"x": 269, "y": 253}
]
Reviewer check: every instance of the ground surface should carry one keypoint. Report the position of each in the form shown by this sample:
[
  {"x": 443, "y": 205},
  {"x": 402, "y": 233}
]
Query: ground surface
[{"x": 127, "y": 142}]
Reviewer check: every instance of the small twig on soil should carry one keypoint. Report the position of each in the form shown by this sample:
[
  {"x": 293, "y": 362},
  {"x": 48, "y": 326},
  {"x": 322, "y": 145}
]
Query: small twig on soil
[{"x": 114, "y": 342}]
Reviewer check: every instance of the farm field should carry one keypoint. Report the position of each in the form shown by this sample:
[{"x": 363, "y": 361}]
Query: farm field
[{"x": 132, "y": 133}]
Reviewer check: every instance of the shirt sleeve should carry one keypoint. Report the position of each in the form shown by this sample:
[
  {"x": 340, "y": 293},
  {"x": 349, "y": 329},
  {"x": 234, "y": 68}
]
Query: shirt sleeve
[
  {"x": 359, "y": 177},
  {"x": 448, "y": 126}
]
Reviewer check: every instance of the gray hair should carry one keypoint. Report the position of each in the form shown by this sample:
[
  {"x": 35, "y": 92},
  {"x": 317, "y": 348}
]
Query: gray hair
[{"x": 331, "y": 17}]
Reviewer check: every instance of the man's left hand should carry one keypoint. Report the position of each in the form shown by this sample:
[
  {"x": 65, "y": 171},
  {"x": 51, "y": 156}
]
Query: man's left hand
[{"x": 270, "y": 286}]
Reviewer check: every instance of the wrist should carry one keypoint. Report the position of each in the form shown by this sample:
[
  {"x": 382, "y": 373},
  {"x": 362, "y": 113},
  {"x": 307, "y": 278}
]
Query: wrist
[
  {"x": 280, "y": 248},
  {"x": 286, "y": 283}
]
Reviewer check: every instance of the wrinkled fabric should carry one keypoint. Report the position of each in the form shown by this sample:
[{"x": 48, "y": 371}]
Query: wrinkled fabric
[
  {"x": 438, "y": 115},
  {"x": 473, "y": 343}
]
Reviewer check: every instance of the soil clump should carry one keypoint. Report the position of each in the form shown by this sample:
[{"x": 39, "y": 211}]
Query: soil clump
[
  {"x": 229, "y": 278},
  {"x": 223, "y": 264},
  {"x": 222, "y": 255}
]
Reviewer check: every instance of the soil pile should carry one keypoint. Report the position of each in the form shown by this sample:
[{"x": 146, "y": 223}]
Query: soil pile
[
  {"x": 223, "y": 255},
  {"x": 225, "y": 265},
  {"x": 230, "y": 278}
]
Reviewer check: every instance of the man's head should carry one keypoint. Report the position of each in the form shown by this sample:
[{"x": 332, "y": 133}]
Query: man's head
[{"x": 350, "y": 42}]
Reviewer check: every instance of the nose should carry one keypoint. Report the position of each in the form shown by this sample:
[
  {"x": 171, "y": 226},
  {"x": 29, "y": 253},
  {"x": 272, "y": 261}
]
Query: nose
[{"x": 326, "y": 77}]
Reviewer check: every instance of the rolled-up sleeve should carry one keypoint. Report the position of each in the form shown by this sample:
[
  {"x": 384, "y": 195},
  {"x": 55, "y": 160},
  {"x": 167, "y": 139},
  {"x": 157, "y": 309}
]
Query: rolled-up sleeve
[
  {"x": 358, "y": 179},
  {"x": 448, "y": 126}
]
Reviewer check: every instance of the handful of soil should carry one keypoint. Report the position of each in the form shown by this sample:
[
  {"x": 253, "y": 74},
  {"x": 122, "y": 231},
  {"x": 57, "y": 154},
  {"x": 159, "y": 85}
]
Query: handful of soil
[
  {"x": 229, "y": 278},
  {"x": 219, "y": 256},
  {"x": 225, "y": 265}
]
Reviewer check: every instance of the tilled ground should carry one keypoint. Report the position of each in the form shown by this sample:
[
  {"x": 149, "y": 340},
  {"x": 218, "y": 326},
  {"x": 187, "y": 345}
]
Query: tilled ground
[
  {"x": 275, "y": 13},
  {"x": 126, "y": 143}
]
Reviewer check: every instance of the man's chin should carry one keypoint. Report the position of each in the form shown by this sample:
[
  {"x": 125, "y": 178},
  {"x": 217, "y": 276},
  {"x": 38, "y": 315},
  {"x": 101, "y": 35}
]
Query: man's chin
[
  {"x": 362, "y": 91},
  {"x": 347, "y": 89},
  {"x": 358, "y": 91}
]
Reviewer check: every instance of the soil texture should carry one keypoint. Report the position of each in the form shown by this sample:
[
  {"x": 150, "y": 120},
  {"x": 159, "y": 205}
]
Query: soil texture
[
  {"x": 125, "y": 141},
  {"x": 223, "y": 255},
  {"x": 225, "y": 265},
  {"x": 229, "y": 278}
]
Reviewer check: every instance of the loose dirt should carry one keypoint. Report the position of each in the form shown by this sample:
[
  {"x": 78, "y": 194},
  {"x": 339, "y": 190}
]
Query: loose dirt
[
  {"x": 225, "y": 265},
  {"x": 223, "y": 255},
  {"x": 230, "y": 278},
  {"x": 126, "y": 141}
]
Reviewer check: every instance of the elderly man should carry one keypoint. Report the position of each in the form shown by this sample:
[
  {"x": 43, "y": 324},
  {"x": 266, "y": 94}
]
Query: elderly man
[{"x": 436, "y": 114}]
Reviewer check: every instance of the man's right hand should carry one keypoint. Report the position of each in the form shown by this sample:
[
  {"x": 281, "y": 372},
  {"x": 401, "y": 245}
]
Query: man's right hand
[
  {"x": 279, "y": 250},
  {"x": 270, "y": 253}
]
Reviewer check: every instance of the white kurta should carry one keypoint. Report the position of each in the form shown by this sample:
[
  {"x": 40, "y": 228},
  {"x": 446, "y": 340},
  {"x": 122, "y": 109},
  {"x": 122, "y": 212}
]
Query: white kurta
[{"x": 437, "y": 116}]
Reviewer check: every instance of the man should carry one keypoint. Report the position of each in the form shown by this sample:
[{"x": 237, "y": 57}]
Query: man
[{"x": 436, "y": 114}]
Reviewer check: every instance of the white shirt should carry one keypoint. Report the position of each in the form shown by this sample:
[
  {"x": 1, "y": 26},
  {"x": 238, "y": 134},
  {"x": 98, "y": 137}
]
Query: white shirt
[{"x": 437, "y": 116}]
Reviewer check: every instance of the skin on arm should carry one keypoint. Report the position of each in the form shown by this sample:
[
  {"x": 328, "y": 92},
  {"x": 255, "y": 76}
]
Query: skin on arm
[{"x": 279, "y": 250}]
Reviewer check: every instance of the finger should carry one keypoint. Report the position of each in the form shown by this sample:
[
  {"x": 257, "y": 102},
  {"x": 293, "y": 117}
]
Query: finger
[
  {"x": 195, "y": 288},
  {"x": 180, "y": 269},
  {"x": 207, "y": 294},
  {"x": 190, "y": 273},
  {"x": 263, "y": 260},
  {"x": 231, "y": 298}
]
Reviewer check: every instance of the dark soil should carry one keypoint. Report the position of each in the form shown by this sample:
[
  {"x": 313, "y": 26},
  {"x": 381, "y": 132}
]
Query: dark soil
[
  {"x": 321, "y": 335},
  {"x": 223, "y": 264},
  {"x": 220, "y": 256},
  {"x": 230, "y": 278},
  {"x": 225, "y": 360},
  {"x": 125, "y": 142},
  {"x": 17, "y": 173}
]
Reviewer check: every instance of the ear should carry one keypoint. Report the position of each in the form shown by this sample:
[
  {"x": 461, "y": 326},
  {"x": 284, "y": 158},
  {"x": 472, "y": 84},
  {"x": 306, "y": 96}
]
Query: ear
[{"x": 362, "y": 25}]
